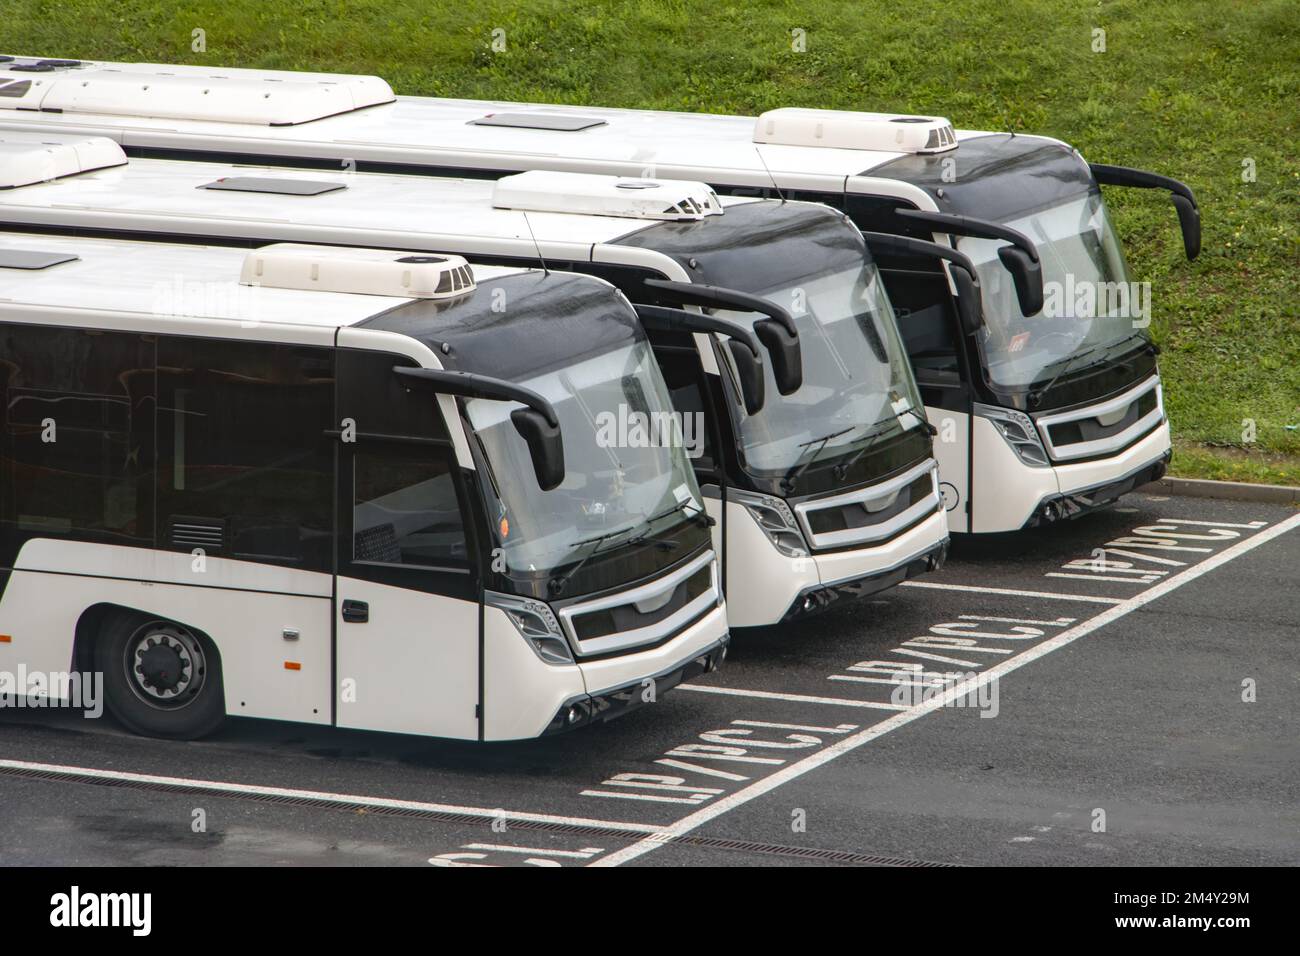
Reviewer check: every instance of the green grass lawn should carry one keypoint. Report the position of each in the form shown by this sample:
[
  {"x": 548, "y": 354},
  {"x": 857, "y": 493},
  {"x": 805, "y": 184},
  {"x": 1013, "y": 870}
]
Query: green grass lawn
[{"x": 1192, "y": 89}]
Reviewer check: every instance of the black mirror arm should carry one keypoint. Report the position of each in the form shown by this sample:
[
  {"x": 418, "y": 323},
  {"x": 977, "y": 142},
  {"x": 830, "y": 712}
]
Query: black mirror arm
[
  {"x": 969, "y": 226},
  {"x": 688, "y": 293},
  {"x": 1189, "y": 214},
  {"x": 1124, "y": 176},
  {"x": 471, "y": 385},
  {"x": 919, "y": 247},
  {"x": 679, "y": 320}
]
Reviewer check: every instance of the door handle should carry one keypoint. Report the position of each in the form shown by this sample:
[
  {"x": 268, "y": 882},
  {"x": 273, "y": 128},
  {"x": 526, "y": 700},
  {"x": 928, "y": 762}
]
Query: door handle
[{"x": 356, "y": 612}]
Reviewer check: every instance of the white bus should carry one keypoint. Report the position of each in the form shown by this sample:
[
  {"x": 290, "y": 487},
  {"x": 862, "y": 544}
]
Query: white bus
[
  {"x": 337, "y": 486},
  {"x": 1044, "y": 416},
  {"x": 795, "y": 397}
]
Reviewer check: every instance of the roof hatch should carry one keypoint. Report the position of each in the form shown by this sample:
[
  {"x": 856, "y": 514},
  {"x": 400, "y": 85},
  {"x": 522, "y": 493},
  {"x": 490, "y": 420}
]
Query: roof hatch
[
  {"x": 845, "y": 129},
  {"x": 407, "y": 275},
  {"x": 556, "y": 122},
  {"x": 594, "y": 195},
  {"x": 271, "y": 184},
  {"x": 33, "y": 260},
  {"x": 27, "y": 158},
  {"x": 263, "y": 97}
]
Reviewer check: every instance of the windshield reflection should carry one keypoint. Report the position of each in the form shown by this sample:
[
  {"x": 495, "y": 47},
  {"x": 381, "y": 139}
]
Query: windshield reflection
[
  {"x": 624, "y": 457},
  {"x": 1090, "y": 304},
  {"x": 857, "y": 383}
]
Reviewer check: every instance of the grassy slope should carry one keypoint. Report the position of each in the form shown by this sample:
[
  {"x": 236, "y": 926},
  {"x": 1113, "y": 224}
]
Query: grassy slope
[{"x": 1188, "y": 88}]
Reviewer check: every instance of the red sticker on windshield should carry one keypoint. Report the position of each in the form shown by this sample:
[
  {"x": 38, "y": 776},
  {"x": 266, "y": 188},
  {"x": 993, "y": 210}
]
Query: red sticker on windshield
[{"x": 1018, "y": 342}]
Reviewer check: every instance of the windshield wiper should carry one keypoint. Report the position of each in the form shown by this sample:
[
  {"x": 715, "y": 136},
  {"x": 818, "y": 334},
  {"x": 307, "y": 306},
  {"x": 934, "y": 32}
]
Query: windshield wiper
[
  {"x": 555, "y": 586},
  {"x": 802, "y": 465},
  {"x": 681, "y": 505},
  {"x": 1037, "y": 394},
  {"x": 872, "y": 437}
]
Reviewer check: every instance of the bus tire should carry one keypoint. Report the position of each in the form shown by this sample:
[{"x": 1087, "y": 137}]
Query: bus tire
[{"x": 161, "y": 679}]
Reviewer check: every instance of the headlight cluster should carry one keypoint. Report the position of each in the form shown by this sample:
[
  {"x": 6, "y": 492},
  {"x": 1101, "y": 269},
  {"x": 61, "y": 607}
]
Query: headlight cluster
[
  {"x": 1019, "y": 432},
  {"x": 536, "y": 625},
  {"x": 777, "y": 521}
]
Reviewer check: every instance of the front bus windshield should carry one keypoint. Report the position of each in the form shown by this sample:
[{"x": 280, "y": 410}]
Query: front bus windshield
[
  {"x": 857, "y": 385},
  {"x": 1089, "y": 304},
  {"x": 624, "y": 463}
]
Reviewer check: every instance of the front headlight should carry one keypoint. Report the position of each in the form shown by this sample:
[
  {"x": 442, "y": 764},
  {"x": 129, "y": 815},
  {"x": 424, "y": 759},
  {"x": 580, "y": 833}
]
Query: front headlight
[
  {"x": 1018, "y": 431},
  {"x": 536, "y": 624},
  {"x": 776, "y": 520}
]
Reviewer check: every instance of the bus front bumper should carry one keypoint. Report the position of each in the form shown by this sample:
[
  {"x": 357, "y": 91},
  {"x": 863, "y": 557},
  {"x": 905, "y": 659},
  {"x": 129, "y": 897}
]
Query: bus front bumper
[{"x": 605, "y": 705}]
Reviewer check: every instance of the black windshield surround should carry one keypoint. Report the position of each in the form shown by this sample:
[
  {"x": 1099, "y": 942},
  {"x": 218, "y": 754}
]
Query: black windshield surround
[
  {"x": 552, "y": 321},
  {"x": 1002, "y": 177},
  {"x": 755, "y": 246}
]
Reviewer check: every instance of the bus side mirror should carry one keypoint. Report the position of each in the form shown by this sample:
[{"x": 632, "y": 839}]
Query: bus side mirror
[
  {"x": 969, "y": 306},
  {"x": 785, "y": 353},
  {"x": 749, "y": 368},
  {"x": 1027, "y": 274},
  {"x": 545, "y": 446}
]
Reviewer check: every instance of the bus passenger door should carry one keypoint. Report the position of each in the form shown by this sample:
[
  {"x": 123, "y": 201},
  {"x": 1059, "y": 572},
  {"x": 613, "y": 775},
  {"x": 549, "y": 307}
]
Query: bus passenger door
[{"x": 406, "y": 605}]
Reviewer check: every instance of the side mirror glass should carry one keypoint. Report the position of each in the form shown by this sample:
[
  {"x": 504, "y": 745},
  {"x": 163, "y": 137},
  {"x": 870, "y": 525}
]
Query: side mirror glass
[{"x": 545, "y": 446}]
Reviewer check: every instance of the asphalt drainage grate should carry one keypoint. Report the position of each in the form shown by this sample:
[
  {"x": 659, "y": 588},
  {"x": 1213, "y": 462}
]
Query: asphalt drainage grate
[{"x": 444, "y": 816}]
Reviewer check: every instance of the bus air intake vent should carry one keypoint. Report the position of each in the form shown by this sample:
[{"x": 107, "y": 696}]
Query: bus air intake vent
[
  {"x": 200, "y": 93},
  {"x": 594, "y": 195},
  {"x": 846, "y": 129},
  {"x": 29, "y": 158},
  {"x": 188, "y": 533},
  {"x": 407, "y": 275}
]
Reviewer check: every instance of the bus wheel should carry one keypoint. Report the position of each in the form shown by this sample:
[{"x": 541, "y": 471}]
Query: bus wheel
[{"x": 160, "y": 678}]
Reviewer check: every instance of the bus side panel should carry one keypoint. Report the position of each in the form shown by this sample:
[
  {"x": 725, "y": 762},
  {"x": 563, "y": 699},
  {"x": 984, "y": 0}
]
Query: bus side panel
[
  {"x": 412, "y": 666},
  {"x": 266, "y": 672},
  {"x": 952, "y": 452}
]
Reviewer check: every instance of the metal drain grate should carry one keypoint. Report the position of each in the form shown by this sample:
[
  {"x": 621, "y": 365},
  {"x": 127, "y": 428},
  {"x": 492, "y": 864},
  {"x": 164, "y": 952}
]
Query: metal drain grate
[{"x": 445, "y": 816}]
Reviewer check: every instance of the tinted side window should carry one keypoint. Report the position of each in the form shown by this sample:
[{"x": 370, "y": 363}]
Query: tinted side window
[
  {"x": 76, "y": 453},
  {"x": 685, "y": 380},
  {"x": 245, "y": 462},
  {"x": 405, "y": 509}
]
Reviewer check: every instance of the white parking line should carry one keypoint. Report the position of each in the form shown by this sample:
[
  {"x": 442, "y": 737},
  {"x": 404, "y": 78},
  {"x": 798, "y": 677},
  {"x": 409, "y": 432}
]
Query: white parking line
[
  {"x": 795, "y": 698},
  {"x": 1052, "y": 595},
  {"x": 1123, "y": 608},
  {"x": 219, "y": 787}
]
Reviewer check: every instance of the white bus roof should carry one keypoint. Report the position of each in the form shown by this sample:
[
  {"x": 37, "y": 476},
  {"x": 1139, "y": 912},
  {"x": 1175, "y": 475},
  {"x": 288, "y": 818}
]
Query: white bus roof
[
  {"x": 369, "y": 209},
  {"x": 832, "y": 145},
  {"x": 175, "y": 285}
]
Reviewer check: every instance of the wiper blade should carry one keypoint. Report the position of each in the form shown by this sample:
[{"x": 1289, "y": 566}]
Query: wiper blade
[
  {"x": 802, "y": 465},
  {"x": 1040, "y": 392},
  {"x": 555, "y": 586}
]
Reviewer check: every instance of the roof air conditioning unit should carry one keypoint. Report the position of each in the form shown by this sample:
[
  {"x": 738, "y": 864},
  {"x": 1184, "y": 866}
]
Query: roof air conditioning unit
[
  {"x": 406, "y": 275},
  {"x": 594, "y": 195},
  {"x": 28, "y": 158},
  {"x": 845, "y": 129}
]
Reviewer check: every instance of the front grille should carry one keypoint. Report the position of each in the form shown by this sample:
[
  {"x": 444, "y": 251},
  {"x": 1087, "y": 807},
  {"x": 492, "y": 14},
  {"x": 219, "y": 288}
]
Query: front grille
[
  {"x": 644, "y": 616},
  {"x": 871, "y": 515},
  {"x": 851, "y": 516},
  {"x": 627, "y": 617},
  {"x": 1104, "y": 428}
]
